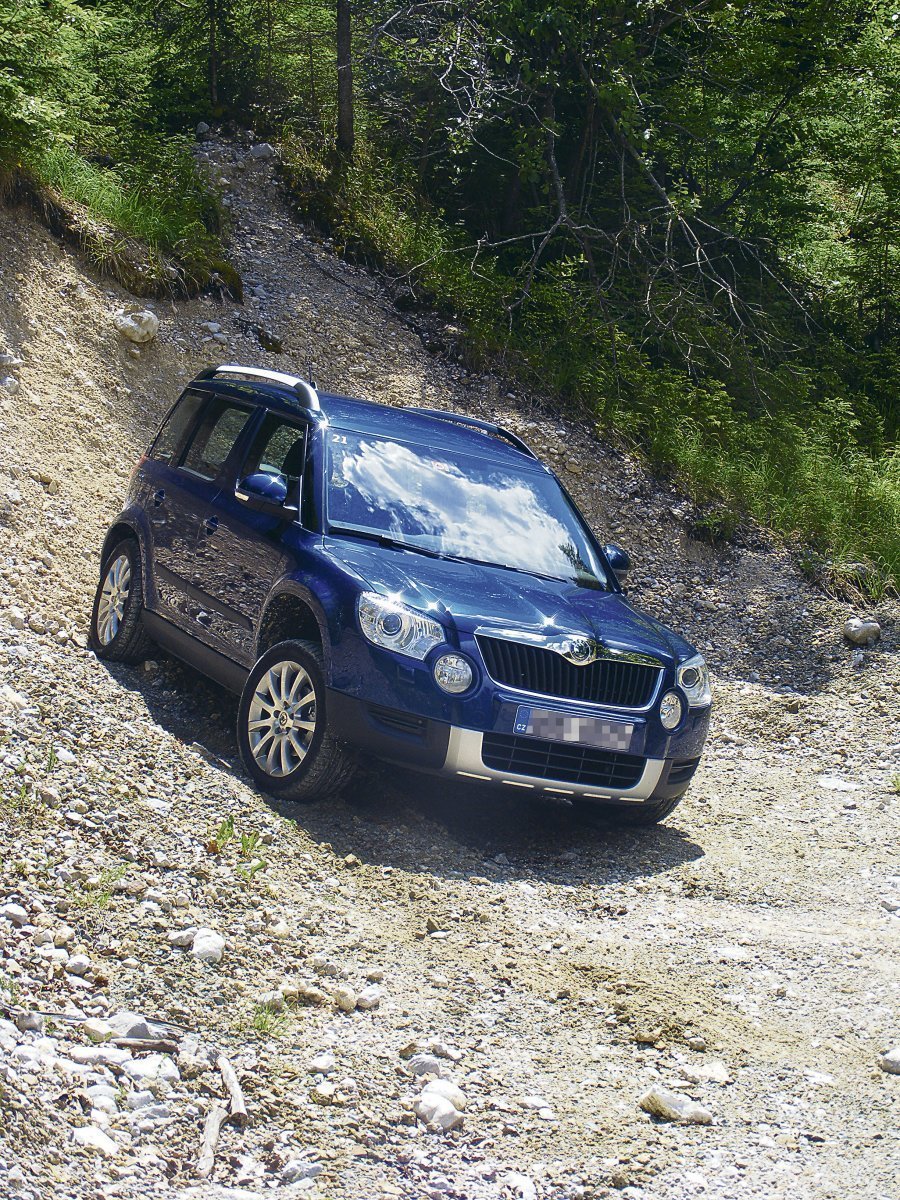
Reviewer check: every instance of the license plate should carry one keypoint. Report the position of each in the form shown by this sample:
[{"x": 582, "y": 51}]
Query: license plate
[{"x": 554, "y": 726}]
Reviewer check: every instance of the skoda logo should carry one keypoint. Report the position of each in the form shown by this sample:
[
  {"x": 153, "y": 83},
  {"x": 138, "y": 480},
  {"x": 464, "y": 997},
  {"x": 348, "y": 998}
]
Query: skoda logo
[{"x": 579, "y": 651}]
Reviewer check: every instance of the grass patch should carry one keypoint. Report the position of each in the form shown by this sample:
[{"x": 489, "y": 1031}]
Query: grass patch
[
  {"x": 21, "y": 806},
  {"x": 795, "y": 466},
  {"x": 100, "y": 895},
  {"x": 267, "y": 1022},
  {"x": 152, "y": 222}
]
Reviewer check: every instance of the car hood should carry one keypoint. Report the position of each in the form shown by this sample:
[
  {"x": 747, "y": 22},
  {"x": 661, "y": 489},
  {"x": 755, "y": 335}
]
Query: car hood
[{"x": 476, "y": 596}]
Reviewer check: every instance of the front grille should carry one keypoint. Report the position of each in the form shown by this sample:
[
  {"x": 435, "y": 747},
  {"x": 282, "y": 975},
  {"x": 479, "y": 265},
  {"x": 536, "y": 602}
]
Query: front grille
[
  {"x": 535, "y": 669},
  {"x": 561, "y": 762}
]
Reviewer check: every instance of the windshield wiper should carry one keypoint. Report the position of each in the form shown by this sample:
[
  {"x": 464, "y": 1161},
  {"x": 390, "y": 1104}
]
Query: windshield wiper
[
  {"x": 385, "y": 539},
  {"x": 484, "y": 562}
]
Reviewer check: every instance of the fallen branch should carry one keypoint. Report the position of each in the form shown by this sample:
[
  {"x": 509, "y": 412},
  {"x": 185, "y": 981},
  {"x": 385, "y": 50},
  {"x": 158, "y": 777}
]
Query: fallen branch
[
  {"x": 19, "y": 1010},
  {"x": 162, "y": 1045},
  {"x": 236, "y": 1096},
  {"x": 218, "y": 1115}
]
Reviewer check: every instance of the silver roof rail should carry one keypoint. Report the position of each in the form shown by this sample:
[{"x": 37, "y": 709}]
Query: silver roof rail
[{"x": 304, "y": 390}]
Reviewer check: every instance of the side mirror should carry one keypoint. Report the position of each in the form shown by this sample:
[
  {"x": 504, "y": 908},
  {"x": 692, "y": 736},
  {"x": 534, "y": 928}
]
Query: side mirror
[
  {"x": 619, "y": 560},
  {"x": 265, "y": 493}
]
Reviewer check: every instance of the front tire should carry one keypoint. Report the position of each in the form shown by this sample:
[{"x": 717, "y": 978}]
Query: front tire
[
  {"x": 282, "y": 726},
  {"x": 117, "y": 633}
]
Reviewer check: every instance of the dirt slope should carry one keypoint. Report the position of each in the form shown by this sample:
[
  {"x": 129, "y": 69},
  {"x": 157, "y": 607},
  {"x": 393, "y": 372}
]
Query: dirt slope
[{"x": 744, "y": 953}]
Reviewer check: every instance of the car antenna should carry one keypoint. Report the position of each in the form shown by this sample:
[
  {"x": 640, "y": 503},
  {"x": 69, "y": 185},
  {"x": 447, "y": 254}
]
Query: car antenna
[{"x": 309, "y": 372}]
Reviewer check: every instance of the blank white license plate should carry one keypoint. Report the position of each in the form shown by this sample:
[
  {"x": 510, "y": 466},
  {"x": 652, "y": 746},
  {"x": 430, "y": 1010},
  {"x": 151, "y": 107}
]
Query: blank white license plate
[{"x": 554, "y": 726}]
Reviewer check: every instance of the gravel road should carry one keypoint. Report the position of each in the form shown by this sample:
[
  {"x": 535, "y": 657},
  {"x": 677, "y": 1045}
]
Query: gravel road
[{"x": 554, "y": 968}]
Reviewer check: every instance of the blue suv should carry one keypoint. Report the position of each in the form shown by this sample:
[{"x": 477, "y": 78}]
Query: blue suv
[{"x": 405, "y": 582}]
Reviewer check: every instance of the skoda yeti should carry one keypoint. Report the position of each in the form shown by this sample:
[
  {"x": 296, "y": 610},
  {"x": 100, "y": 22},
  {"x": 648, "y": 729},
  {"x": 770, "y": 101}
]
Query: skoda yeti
[{"x": 404, "y": 582}]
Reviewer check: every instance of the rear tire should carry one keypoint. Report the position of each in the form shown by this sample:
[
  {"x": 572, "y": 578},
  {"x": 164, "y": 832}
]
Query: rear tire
[
  {"x": 117, "y": 632},
  {"x": 282, "y": 726}
]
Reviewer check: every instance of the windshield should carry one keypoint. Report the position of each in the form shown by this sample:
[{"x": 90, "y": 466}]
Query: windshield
[{"x": 457, "y": 506}]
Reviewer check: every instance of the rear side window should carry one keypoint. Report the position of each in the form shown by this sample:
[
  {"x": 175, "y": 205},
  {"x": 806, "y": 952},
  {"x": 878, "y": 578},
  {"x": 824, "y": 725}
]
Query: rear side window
[
  {"x": 214, "y": 438},
  {"x": 171, "y": 437}
]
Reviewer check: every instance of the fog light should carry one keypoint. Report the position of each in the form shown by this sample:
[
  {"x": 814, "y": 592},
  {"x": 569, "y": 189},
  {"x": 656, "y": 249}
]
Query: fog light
[
  {"x": 670, "y": 710},
  {"x": 453, "y": 673}
]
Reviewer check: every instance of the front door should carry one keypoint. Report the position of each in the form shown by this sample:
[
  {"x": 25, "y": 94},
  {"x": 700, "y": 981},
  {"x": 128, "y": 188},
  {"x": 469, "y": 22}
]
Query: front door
[{"x": 241, "y": 558}]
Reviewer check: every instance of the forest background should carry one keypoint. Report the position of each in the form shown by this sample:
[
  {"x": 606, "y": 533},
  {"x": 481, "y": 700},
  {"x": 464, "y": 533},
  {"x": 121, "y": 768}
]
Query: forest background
[{"x": 680, "y": 220}]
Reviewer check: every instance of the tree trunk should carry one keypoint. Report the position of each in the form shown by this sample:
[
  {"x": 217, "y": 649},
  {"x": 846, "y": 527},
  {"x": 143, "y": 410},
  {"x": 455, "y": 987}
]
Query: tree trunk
[
  {"x": 344, "y": 82},
  {"x": 212, "y": 9}
]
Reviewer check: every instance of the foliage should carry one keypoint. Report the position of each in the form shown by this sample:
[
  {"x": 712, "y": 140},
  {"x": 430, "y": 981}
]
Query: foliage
[
  {"x": 77, "y": 119},
  {"x": 681, "y": 218}
]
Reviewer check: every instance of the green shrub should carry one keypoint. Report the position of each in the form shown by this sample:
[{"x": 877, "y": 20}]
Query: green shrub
[{"x": 797, "y": 468}]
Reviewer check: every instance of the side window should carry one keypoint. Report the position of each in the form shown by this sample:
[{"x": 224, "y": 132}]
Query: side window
[
  {"x": 214, "y": 438},
  {"x": 278, "y": 449},
  {"x": 172, "y": 434}
]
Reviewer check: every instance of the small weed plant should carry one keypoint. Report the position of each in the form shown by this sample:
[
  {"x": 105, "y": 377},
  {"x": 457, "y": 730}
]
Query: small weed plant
[
  {"x": 100, "y": 895},
  {"x": 267, "y": 1022}
]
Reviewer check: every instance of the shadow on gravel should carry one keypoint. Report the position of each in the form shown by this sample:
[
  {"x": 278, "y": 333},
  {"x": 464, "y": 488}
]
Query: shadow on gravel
[{"x": 420, "y": 823}]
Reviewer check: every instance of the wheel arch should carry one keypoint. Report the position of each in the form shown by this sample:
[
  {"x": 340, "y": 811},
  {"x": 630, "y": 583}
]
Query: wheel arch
[
  {"x": 125, "y": 527},
  {"x": 292, "y": 612}
]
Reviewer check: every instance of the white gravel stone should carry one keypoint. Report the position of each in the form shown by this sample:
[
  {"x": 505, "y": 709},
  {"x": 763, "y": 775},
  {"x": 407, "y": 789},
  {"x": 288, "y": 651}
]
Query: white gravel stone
[
  {"x": 862, "y": 631},
  {"x": 436, "y": 1110},
  {"x": 15, "y": 914},
  {"x": 208, "y": 946},
  {"x": 890, "y": 1061},
  {"x": 154, "y": 1066},
  {"x": 78, "y": 964},
  {"x": 448, "y": 1089},
  {"x": 138, "y": 326},
  {"x": 96, "y": 1030},
  {"x": 95, "y": 1139},
  {"x": 672, "y": 1106},
  {"x": 369, "y": 997}
]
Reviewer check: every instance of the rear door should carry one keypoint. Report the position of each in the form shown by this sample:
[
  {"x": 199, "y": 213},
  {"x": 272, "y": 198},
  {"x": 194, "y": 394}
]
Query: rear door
[
  {"x": 160, "y": 495},
  {"x": 241, "y": 559},
  {"x": 185, "y": 494}
]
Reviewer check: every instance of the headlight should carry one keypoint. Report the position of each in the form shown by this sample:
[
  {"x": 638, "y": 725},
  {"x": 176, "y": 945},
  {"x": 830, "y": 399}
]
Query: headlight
[
  {"x": 693, "y": 678},
  {"x": 670, "y": 710},
  {"x": 396, "y": 627},
  {"x": 453, "y": 674}
]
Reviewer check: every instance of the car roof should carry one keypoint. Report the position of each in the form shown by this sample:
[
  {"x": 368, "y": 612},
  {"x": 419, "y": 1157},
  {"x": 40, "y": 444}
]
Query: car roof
[{"x": 366, "y": 416}]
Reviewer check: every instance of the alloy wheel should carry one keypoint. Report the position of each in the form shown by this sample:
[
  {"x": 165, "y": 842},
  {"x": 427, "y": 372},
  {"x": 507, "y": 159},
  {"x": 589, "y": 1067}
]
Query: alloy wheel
[
  {"x": 281, "y": 721},
  {"x": 113, "y": 598}
]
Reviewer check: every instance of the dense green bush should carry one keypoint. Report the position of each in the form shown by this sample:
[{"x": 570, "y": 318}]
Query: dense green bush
[
  {"x": 799, "y": 469},
  {"x": 681, "y": 220}
]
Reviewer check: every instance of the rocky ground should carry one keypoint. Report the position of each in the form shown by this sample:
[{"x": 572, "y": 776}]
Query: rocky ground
[{"x": 160, "y": 921}]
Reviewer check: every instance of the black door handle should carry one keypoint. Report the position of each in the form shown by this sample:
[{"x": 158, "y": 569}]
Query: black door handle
[
  {"x": 158, "y": 497},
  {"x": 211, "y": 524}
]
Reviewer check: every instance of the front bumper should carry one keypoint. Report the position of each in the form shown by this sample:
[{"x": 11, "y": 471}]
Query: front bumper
[
  {"x": 466, "y": 758},
  {"x": 498, "y": 756}
]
